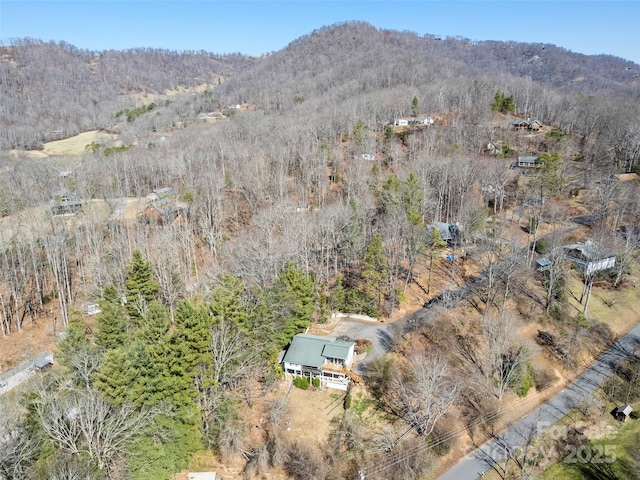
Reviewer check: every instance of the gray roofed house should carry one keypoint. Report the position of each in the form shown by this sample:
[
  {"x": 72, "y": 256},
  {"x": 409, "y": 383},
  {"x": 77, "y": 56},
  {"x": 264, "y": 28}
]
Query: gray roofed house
[
  {"x": 325, "y": 358},
  {"x": 527, "y": 124},
  {"x": 543, "y": 264},
  {"x": 43, "y": 364},
  {"x": 450, "y": 232},
  {"x": 622, "y": 413},
  {"x": 590, "y": 257},
  {"x": 528, "y": 161},
  {"x": 65, "y": 202},
  {"x": 160, "y": 193},
  {"x": 162, "y": 208}
]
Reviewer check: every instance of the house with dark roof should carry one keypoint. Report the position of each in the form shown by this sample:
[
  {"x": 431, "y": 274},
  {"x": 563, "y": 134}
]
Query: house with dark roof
[
  {"x": 162, "y": 207},
  {"x": 162, "y": 211},
  {"x": 589, "y": 257},
  {"x": 326, "y": 358},
  {"x": 450, "y": 232},
  {"x": 44, "y": 364},
  {"x": 528, "y": 124},
  {"x": 65, "y": 202},
  {"x": 622, "y": 413},
  {"x": 519, "y": 124}
]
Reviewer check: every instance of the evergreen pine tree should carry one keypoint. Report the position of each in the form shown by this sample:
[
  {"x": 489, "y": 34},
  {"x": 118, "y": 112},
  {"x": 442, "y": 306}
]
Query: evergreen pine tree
[
  {"x": 390, "y": 195},
  {"x": 111, "y": 322},
  {"x": 118, "y": 376},
  {"x": 139, "y": 284},
  {"x": 294, "y": 292},
  {"x": 415, "y": 107},
  {"x": 412, "y": 197},
  {"x": 374, "y": 274},
  {"x": 155, "y": 325},
  {"x": 227, "y": 304},
  {"x": 188, "y": 349}
]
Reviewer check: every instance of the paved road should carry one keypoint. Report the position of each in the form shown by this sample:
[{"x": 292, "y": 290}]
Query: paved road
[
  {"x": 22, "y": 372},
  {"x": 485, "y": 457}
]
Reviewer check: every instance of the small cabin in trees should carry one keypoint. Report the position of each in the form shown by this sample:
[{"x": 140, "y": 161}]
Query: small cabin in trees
[
  {"x": 92, "y": 308},
  {"x": 162, "y": 208},
  {"x": 65, "y": 202},
  {"x": 528, "y": 124},
  {"x": 428, "y": 121},
  {"x": 159, "y": 193},
  {"x": 520, "y": 124},
  {"x": 400, "y": 122},
  {"x": 589, "y": 257},
  {"x": 202, "y": 476},
  {"x": 622, "y": 413},
  {"x": 450, "y": 232},
  {"x": 325, "y": 358},
  {"x": 368, "y": 156},
  {"x": 543, "y": 264},
  {"x": 528, "y": 162},
  {"x": 44, "y": 364},
  {"x": 534, "y": 125},
  {"x": 162, "y": 211}
]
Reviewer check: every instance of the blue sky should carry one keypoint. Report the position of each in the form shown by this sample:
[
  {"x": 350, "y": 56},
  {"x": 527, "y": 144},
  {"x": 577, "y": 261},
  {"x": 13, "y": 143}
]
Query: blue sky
[{"x": 262, "y": 26}]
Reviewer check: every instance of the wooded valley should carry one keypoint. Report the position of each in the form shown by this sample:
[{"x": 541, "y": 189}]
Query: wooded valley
[{"x": 225, "y": 204}]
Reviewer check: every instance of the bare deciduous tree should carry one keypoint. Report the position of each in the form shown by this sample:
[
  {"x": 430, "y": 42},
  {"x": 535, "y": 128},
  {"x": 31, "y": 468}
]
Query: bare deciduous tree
[
  {"x": 17, "y": 448},
  {"x": 504, "y": 356},
  {"x": 424, "y": 391},
  {"x": 82, "y": 422},
  {"x": 232, "y": 359}
]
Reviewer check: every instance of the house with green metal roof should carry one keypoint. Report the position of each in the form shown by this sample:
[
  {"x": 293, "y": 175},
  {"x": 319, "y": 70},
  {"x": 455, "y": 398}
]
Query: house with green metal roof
[{"x": 325, "y": 358}]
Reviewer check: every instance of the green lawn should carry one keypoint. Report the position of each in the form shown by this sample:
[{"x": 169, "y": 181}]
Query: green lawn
[{"x": 616, "y": 457}]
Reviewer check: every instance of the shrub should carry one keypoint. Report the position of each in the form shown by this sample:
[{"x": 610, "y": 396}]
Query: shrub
[
  {"x": 542, "y": 245},
  {"x": 543, "y": 378},
  {"x": 555, "y": 134},
  {"x": 315, "y": 382},
  {"x": 524, "y": 382},
  {"x": 301, "y": 382},
  {"x": 347, "y": 401},
  {"x": 581, "y": 320}
]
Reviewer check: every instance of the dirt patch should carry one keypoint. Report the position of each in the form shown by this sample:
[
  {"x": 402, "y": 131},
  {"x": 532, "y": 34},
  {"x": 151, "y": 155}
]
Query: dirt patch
[
  {"x": 35, "y": 337},
  {"x": 311, "y": 413}
]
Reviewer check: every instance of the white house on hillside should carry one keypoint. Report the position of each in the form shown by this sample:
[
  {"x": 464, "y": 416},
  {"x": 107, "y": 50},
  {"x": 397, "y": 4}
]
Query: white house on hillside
[
  {"x": 590, "y": 257},
  {"x": 325, "y": 358}
]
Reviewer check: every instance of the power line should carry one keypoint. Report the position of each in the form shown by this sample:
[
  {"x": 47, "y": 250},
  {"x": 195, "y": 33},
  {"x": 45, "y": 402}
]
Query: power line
[{"x": 375, "y": 469}]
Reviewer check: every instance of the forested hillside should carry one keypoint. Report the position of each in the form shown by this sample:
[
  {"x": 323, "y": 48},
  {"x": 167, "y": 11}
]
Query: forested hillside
[
  {"x": 64, "y": 90},
  {"x": 232, "y": 202}
]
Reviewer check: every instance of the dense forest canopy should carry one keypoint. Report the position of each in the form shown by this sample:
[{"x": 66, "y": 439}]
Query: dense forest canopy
[{"x": 275, "y": 191}]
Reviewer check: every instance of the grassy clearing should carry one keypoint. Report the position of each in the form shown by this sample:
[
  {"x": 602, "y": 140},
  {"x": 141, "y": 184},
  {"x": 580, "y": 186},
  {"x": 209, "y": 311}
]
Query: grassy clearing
[
  {"x": 611, "y": 457},
  {"x": 361, "y": 403},
  {"x": 619, "y": 308},
  {"x": 76, "y": 145}
]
